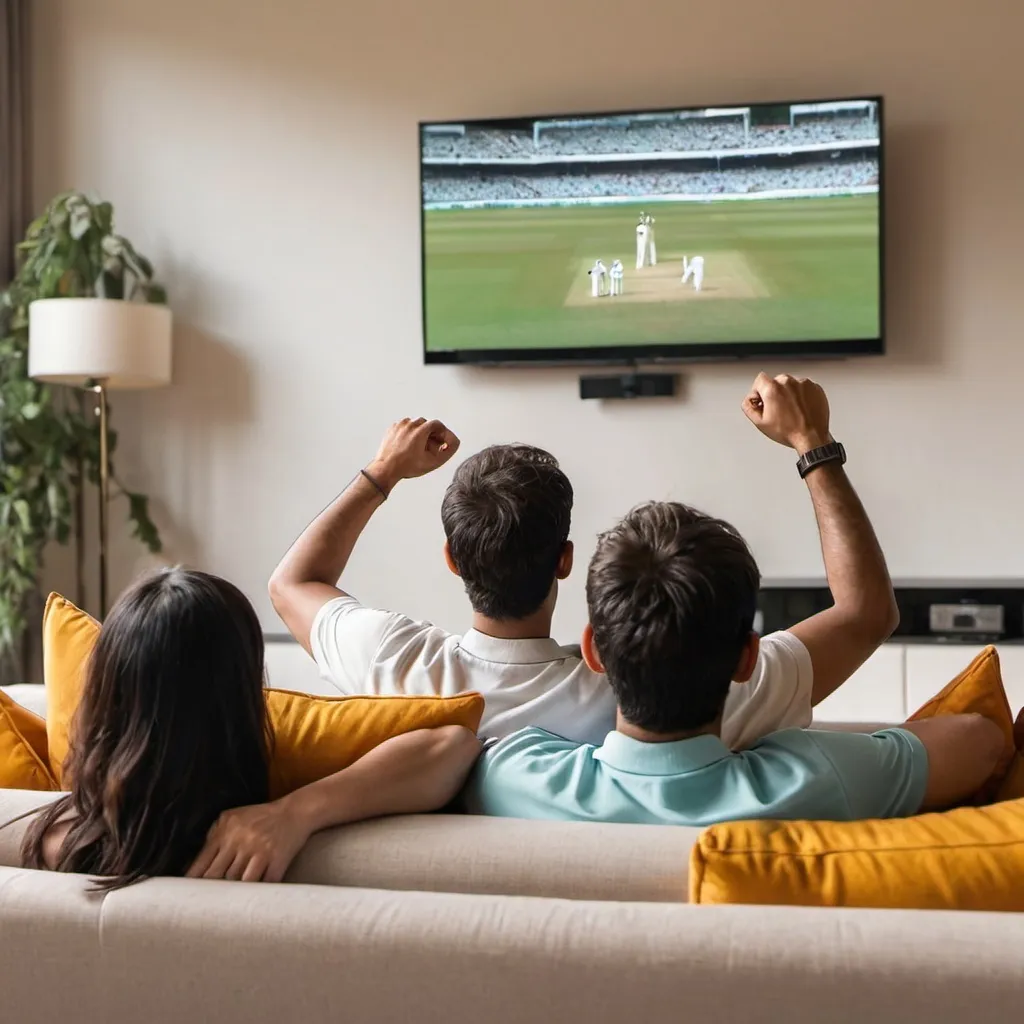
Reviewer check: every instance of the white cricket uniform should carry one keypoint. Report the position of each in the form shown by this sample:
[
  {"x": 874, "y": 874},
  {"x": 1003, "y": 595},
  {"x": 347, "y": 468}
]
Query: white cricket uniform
[
  {"x": 641, "y": 245},
  {"x": 694, "y": 269},
  {"x": 597, "y": 279},
  {"x": 533, "y": 682},
  {"x": 615, "y": 276},
  {"x": 652, "y": 249}
]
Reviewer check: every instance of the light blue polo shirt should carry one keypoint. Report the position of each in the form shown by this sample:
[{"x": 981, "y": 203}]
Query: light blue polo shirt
[{"x": 793, "y": 774}]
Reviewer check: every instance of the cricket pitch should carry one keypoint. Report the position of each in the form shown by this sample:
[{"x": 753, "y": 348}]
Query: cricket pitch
[{"x": 727, "y": 275}]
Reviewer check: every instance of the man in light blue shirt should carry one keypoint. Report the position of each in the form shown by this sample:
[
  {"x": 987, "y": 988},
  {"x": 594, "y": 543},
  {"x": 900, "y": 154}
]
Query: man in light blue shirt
[{"x": 672, "y": 595}]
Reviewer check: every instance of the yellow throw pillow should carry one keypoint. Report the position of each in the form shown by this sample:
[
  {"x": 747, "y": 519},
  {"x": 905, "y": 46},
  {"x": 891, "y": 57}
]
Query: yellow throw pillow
[
  {"x": 979, "y": 690},
  {"x": 22, "y": 748},
  {"x": 317, "y": 736},
  {"x": 69, "y": 635},
  {"x": 970, "y": 858},
  {"x": 313, "y": 736}
]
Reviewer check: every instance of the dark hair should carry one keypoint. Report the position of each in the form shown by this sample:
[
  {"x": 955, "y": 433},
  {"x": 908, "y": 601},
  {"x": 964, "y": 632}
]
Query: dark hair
[
  {"x": 672, "y": 595},
  {"x": 506, "y": 515},
  {"x": 172, "y": 729}
]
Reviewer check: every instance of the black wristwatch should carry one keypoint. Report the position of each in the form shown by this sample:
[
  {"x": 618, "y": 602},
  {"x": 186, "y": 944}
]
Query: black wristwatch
[{"x": 831, "y": 452}]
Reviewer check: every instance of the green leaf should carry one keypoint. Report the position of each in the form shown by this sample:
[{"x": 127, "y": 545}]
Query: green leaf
[
  {"x": 156, "y": 294},
  {"x": 81, "y": 220},
  {"x": 31, "y": 410},
  {"x": 24, "y": 514}
]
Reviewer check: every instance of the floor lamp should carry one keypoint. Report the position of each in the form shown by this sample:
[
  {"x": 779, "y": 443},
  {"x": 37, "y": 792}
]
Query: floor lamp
[{"x": 101, "y": 345}]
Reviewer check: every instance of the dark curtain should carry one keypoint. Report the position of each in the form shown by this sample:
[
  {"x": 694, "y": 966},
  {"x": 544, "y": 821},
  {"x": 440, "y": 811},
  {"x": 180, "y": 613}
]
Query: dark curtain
[{"x": 15, "y": 143}]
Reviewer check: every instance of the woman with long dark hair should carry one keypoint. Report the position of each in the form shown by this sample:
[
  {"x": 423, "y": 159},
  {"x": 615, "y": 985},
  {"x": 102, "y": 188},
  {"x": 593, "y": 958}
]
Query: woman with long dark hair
[{"x": 170, "y": 750}]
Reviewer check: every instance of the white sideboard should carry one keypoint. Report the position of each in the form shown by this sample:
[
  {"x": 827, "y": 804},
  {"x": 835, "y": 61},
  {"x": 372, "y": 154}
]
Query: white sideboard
[{"x": 900, "y": 677}]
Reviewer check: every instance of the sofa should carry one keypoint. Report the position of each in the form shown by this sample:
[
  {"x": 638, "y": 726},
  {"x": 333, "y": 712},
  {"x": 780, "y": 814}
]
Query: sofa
[{"x": 444, "y": 918}]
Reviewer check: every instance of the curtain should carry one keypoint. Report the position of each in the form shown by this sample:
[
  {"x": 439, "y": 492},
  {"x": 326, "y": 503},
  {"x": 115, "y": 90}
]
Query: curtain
[{"x": 15, "y": 144}]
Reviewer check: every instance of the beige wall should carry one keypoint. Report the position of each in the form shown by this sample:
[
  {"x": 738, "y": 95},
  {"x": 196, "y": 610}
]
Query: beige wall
[{"x": 250, "y": 148}]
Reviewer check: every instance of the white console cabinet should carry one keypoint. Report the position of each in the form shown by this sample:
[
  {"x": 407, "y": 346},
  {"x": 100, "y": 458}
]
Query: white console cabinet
[{"x": 900, "y": 677}]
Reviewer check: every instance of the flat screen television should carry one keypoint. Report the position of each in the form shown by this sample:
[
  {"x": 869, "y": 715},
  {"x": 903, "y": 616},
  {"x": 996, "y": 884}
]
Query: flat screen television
[{"x": 647, "y": 236}]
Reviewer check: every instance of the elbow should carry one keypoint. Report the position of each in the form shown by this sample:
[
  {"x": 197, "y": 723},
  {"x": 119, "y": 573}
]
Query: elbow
[
  {"x": 889, "y": 619},
  {"x": 453, "y": 750},
  {"x": 277, "y": 589}
]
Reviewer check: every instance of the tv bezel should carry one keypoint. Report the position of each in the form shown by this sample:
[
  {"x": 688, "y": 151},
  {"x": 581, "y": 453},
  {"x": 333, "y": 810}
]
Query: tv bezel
[{"x": 679, "y": 352}]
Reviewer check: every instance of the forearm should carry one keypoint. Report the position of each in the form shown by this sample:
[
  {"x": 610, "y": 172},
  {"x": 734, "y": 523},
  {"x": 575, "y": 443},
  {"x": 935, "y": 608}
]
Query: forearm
[
  {"x": 854, "y": 563},
  {"x": 321, "y": 553},
  {"x": 415, "y": 772}
]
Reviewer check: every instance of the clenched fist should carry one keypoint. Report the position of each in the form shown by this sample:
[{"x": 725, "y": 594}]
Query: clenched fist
[
  {"x": 412, "y": 448},
  {"x": 790, "y": 410}
]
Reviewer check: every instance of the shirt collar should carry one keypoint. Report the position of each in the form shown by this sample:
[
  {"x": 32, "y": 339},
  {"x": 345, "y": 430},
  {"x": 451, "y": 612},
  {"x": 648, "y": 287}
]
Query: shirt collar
[
  {"x": 678, "y": 757},
  {"x": 534, "y": 651}
]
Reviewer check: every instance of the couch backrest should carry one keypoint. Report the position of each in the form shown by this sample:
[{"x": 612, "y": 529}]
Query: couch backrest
[
  {"x": 172, "y": 950},
  {"x": 469, "y": 854}
]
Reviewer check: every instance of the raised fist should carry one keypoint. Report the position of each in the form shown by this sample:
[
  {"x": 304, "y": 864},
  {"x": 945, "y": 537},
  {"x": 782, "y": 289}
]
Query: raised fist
[
  {"x": 412, "y": 448},
  {"x": 790, "y": 410}
]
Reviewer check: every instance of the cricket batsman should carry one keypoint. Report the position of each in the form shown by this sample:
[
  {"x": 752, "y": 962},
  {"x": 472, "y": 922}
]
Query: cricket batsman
[
  {"x": 694, "y": 269},
  {"x": 641, "y": 242},
  {"x": 652, "y": 249},
  {"x": 615, "y": 275},
  {"x": 598, "y": 275}
]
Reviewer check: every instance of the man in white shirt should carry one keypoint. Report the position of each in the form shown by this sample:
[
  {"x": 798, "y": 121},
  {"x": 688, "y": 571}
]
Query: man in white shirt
[{"x": 506, "y": 516}]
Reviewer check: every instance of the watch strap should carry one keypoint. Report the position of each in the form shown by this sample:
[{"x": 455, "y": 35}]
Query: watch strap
[{"x": 831, "y": 452}]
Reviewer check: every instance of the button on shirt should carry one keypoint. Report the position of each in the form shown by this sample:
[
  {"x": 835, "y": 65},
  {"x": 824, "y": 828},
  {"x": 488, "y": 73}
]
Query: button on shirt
[
  {"x": 792, "y": 774},
  {"x": 531, "y": 682}
]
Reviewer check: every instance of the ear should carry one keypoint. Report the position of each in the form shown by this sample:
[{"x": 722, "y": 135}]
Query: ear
[
  {"x": 565, "y": 561},
  {"x": 748, "y": 659},
  {"x": 589, "y": 650},
  {"x": 449, "y": 561}
]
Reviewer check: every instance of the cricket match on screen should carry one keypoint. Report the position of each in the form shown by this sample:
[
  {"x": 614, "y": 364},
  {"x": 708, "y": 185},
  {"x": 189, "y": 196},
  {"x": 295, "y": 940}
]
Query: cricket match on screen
[{"x": 688, "y": 227}]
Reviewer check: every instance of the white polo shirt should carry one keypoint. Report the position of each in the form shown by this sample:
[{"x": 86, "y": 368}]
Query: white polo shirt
[{"x": 532, "y": 682}]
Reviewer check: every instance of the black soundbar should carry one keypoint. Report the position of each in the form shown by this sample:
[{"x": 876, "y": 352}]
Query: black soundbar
[{"x": 629, "y": 385}]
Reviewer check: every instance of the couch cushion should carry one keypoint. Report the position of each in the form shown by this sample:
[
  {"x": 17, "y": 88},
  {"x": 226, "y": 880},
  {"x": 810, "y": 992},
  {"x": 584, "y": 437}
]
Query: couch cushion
[
  {"x": 313, "y": 736},
  {"x": 22, "y": 748},
  {"x": 978, "y": 690},
  {"x": 456, "y": 853},
  {"x": 970, "y": 858}
]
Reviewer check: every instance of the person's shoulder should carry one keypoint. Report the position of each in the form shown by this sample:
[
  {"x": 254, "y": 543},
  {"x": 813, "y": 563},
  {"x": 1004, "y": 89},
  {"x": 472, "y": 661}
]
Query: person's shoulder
[{"x": 531, "y": 738}]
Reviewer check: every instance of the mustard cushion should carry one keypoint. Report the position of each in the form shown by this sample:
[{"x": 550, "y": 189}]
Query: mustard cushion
[
  {"x": 317, "y": 736},
  {"x": 68, "y": 638},
  {"x": 979, "y": 690},
  {"x": 313, "y": 736},
  {"x": 970, "y": 858},
  {"x": 23, "y": 762}
]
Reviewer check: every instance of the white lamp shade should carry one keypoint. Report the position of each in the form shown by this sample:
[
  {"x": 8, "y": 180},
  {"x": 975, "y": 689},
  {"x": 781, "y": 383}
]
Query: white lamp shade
[{"x": 122, "y": 344}]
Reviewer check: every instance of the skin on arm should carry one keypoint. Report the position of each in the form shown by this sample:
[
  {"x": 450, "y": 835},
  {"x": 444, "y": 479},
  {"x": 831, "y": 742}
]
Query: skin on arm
[
  {"x": 307, "y": 577},
  {"x": 795, "y": 412},
  {"x": 963, "y": 751},
  {"x": 413, "y": 773}
]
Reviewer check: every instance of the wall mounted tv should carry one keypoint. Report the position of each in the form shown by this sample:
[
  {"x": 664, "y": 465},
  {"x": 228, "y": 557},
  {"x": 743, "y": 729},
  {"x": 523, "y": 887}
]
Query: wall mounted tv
[{"x": 666, "y": 235}]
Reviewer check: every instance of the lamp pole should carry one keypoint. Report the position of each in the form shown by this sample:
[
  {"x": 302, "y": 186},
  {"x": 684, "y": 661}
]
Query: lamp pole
[{"x": 99, "y": 388}]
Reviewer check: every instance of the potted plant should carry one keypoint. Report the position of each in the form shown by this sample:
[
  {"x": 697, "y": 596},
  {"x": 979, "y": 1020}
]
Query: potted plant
[{"x": 49, "y": 447}]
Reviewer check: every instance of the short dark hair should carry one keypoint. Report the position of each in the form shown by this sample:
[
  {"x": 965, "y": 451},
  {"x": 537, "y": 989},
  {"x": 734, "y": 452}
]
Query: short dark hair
[
  {"x": 672, "y": 595},
  {"x": 506, "y": 515}
]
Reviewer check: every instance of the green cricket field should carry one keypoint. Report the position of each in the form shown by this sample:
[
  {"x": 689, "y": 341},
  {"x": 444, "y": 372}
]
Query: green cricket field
[{"x": 774, "y": 270}]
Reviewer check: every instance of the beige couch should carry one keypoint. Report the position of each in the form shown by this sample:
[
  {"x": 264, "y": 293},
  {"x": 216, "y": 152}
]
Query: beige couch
[{"x": 444, "y": 919}]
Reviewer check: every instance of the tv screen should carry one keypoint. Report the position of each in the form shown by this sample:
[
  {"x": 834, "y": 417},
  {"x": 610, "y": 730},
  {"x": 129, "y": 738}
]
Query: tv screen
[{"x": 655, "y": 235}]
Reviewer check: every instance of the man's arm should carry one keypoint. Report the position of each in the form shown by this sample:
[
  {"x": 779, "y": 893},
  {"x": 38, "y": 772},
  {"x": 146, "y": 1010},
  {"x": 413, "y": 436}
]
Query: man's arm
[
  {"x": 864, "y": 613},
  {"x": 308, "y": 575}
]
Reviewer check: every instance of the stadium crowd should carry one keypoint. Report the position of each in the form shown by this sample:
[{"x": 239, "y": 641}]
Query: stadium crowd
[
  {"x": 505, "y": 186},
  {"x": 643, "y": 137}
]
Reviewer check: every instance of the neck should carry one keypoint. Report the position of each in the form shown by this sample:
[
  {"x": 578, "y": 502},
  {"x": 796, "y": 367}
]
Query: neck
[
  {"x": 634, "y": 732},
  {"x": 533, "y": 627}
]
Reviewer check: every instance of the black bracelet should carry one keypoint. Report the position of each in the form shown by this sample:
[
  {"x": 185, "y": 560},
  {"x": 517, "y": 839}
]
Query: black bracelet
[{"x": 383, "y": 493}]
